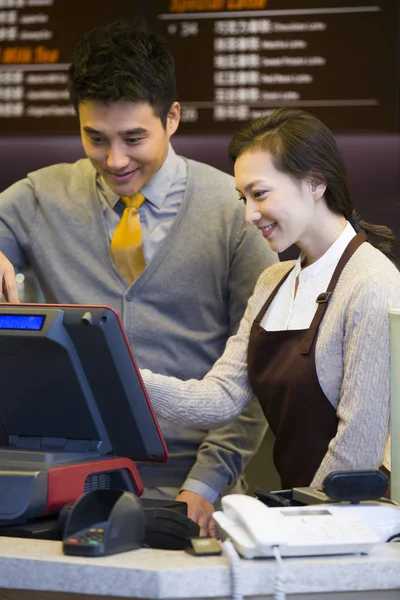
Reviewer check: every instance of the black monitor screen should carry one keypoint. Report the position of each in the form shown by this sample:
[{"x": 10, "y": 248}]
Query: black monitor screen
[{"x": 70, "y": 382}]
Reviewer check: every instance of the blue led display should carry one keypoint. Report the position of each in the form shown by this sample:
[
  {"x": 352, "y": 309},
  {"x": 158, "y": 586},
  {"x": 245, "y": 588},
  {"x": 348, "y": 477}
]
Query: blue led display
[{"x": 22, "y": 322}]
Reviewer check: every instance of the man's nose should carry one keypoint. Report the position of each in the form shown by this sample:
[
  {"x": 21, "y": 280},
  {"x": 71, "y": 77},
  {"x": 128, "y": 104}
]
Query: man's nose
[{"x": 117, "y": 158}]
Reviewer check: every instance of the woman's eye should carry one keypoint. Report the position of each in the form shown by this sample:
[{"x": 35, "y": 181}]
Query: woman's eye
[{"x": 259, "y": 194}]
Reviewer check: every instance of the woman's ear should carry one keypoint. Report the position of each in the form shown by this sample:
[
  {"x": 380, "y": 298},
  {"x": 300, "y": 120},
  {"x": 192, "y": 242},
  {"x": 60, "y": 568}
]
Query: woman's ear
[{"x": 317, "y": 188}]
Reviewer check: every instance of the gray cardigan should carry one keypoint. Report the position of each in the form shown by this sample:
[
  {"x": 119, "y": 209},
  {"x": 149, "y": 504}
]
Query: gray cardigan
[{"x": 177, "y": 315}]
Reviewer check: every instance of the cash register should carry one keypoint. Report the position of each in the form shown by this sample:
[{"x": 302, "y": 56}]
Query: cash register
[{"x": 74, "y": 414}]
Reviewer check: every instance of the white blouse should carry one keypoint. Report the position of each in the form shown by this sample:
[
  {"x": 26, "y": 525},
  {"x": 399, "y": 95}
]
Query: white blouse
[{"x": 290, "y": 311}]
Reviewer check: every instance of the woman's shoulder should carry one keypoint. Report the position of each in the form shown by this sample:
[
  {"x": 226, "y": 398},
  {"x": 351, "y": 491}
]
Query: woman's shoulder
[
  {"x": 371, "y": 276},
  {"x": 266, "y": 283},
  {"x": 370, "y": 263},
  {"x": 273, "y": 274}
]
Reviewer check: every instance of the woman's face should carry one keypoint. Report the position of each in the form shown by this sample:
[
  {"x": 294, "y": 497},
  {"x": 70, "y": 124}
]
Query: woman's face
[{"x": 282, "y": 209}]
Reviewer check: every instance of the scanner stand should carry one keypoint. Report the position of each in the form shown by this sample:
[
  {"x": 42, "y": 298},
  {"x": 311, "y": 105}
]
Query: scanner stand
[{"x": 355, "y": 486}]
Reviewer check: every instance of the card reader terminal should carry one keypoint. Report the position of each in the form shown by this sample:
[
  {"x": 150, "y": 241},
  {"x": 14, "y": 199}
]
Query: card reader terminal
[{"x": 87, "y": 542}]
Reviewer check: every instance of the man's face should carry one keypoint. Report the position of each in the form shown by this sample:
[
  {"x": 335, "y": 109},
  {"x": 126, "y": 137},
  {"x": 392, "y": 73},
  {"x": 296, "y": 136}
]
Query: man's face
[{"x": 126, "y": 141}]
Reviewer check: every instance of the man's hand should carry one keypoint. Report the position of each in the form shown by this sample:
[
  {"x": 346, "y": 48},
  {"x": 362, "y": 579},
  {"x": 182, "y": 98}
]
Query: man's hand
[
  {"x": 7, "y": 278},
  {"x": 200, "y": 511}
]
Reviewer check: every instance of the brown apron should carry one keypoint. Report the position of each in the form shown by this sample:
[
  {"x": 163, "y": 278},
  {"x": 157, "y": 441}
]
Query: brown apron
[{"x": 283, "y": 376}]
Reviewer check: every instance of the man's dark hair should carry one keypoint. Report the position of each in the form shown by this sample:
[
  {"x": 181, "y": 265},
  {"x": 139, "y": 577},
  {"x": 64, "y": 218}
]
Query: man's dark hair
[{"x": 123, "y": 61}]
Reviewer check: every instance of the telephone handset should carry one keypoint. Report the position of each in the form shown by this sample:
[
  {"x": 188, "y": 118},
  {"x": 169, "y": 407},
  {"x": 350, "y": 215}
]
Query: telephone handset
[
  {"x": 246, "y": 521},
  {"x": 298, "y": 531}
]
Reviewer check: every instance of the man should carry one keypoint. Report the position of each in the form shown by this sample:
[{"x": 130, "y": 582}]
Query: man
[{"x": 200, "y": 259}]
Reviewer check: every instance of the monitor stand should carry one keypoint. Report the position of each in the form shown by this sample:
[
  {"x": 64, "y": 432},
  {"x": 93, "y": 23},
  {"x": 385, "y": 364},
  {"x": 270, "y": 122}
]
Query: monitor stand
[{"x": 35, "y": 484}]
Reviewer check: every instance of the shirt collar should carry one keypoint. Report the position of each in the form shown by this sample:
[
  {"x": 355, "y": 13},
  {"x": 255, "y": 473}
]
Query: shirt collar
[
  {"x": 155, "y": 190},
  {"x": 331, "y": 256}
]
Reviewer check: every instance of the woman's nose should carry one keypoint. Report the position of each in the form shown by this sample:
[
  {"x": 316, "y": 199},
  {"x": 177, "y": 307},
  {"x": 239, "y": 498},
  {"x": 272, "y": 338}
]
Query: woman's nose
[{"x": 253, "y": 215}]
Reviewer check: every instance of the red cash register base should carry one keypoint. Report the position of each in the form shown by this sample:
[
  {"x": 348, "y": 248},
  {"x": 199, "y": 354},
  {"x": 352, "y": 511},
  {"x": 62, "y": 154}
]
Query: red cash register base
[{"x": 67, "y": 483}]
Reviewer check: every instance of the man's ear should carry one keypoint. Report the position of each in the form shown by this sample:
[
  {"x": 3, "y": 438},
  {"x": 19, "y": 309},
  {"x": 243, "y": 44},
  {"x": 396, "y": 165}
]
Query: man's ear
[{"x": 173, "y": 118}]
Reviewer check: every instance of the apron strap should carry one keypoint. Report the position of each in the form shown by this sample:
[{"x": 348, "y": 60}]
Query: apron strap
[
  {"x": 271, "y": 297},
  {"x": 323, "y": 299}
]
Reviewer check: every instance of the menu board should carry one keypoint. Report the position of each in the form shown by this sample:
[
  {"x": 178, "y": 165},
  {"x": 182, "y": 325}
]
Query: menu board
[
  {"x": 240, "y": 59},
  {"x": 37, "y": 38},
  {"x": 236, "y": 59}
]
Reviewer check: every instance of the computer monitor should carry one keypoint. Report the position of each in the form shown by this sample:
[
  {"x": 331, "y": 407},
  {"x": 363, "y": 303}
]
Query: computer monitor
[{"x": 69, "y": 383}]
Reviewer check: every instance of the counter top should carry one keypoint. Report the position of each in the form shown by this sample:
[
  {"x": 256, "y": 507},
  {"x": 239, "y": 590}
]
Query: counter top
[{"x": 40, "y": 565}]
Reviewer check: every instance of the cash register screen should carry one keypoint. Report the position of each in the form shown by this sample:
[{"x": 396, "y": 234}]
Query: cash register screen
[
  {"x": 69, "y": 382},
  {"x": 24, "y": 322}
]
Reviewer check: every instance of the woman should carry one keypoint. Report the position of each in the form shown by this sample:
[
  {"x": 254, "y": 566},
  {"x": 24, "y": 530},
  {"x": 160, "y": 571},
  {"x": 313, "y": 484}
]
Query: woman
[{"x": 313, "y": 345}]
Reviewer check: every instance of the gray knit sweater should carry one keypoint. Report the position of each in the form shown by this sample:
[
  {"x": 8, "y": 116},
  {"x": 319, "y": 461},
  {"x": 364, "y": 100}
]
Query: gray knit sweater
[{"x": 352, "y": 360}]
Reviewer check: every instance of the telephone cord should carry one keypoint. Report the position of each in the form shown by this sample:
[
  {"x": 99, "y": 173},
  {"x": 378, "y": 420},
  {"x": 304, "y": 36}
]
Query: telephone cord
[
  {"x": 279, "y": 592},
  {"x": 230, "y": 552}
]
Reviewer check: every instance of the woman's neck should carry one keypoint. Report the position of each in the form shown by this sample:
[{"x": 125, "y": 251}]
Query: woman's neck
[{"x": 328, "y": 227}]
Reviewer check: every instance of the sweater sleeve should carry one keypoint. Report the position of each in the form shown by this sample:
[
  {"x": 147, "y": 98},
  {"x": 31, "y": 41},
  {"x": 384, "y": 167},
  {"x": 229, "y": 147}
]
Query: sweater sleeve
[
  {"x": 363, "y": 410},
  {"x": 216, "y": 399},
  {"x": 223, "y": 393},
  {"x": 17, "y": 215}
]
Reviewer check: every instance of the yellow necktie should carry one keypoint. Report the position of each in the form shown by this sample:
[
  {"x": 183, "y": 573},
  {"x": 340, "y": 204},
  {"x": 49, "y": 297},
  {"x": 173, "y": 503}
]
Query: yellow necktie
[{"x": 126, "y": 243}]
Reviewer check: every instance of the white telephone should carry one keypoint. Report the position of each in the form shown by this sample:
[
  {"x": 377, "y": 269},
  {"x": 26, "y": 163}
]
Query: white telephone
[{"x": 306, "y": 530}]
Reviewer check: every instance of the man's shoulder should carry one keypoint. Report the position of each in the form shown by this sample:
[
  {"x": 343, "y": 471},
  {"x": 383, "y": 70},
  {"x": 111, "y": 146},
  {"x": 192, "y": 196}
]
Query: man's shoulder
[
  {"x": 209, "y": 176},
  {"x": 213, "y": 190},
  {"x": 62, "y": 172}
]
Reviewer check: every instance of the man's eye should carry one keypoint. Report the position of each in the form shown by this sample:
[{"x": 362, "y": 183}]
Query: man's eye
[
  {"x": 97, "y": 140},
  {"x": 133, "y": 140}
]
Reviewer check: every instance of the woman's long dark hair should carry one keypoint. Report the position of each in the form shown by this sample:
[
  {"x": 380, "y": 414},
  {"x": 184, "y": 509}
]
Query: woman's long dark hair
[{"x": 302, "y": 146}]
